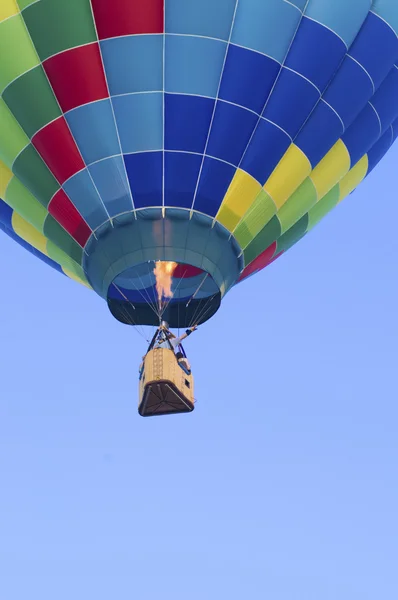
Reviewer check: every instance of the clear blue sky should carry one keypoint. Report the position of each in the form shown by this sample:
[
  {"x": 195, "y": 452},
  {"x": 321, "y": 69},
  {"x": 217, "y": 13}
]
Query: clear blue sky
[{"x": 283, "y": 482}]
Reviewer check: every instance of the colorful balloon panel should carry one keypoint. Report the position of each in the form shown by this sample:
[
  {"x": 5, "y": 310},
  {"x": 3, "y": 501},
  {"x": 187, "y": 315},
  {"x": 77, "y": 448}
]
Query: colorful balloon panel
[{"x": 212, "y": 134}]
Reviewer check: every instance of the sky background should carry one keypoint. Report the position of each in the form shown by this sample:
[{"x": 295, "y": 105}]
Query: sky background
[{"x": 282, "y": 484}]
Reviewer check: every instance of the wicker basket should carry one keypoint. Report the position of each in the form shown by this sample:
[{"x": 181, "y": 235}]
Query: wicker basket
[{"x": 165, "y": 388}]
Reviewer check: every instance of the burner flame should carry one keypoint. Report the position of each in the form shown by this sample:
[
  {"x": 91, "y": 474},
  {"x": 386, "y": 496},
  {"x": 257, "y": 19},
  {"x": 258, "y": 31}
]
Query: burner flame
[{"x": 163, "y": 272}]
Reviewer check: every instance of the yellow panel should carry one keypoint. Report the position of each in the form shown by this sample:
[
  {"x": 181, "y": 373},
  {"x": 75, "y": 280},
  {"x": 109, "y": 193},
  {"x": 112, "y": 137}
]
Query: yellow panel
[
  {"x": 28, "y": 233},
  {"x": 241, "y": 194},
  {"x": 76, "y": 278},
  {"x": 290, "y": 173},
  {"x": 354, "y": 177},
  {"x": 5, "y": 178},
  {"x": 8, "y": 8},
  {"x": 332, "y": 168}
]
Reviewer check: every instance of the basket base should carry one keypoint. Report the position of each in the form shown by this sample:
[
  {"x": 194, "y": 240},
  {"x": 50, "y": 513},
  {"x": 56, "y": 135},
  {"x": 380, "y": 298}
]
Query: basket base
[{"x": 163, "y": 398}]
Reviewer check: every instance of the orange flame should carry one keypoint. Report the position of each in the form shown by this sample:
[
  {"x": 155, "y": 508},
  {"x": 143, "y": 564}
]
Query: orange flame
[{"x": 163, "y": 272}]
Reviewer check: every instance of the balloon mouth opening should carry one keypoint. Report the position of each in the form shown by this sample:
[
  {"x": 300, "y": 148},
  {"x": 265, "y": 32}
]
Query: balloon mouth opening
[
  {"x": 125, "y": 263},
  {"x": 179, "y": 293}
]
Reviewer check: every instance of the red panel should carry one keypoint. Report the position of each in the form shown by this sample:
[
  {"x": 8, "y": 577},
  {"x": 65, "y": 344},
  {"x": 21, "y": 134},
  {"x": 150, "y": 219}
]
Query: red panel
[
  {"x": 62, "y": 209},
  {"x": 263, "y": 260},
  {"x": 77, "y": 76},
  {"x": 57, "y": 147},
  {"x": 186, "y": 271},
  {"x": 127, "y": 17}
]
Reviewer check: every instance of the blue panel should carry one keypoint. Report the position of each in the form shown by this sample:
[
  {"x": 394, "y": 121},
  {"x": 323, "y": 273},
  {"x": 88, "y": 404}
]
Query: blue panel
[
  {"x": 140, "y": 277},
  {"x": 214, "y": 182},
  {"x": 115, "y": 294},
  {"x": 110, "y": 179},
  {"x": 345, "y": 17},
  {"x": 315, "y": 53},
  {"x": 231, "y": 132},
  {"x": 395, "y": 129},
  {"x": 376, "y": 48},
  {"x": 388, "y": 10},
  {"x": 248, "y": 78},
  {"x": 301, "y": 4},
  {"x": 362, "y": 134},
  {"x": 266, "y": 149},
  {"x": 140, "y": 121},
  {"x": 385, "y": 100},
  {"x": 187, "y": 122},
  {"x": 5, "y": 214},
  {"x": 181, "y": 176},
  {"x": 267, "y": 27},
  {"x": 291, "y": 102},
  {"x": 377, "y": 152},
  {"x": 84, "y": 196},
  {"x": 145, "y": 176},
  {"x": 31, "y": 249},
  {"x": 349, "y": 91},
  {"x": 93, "y": 127},
  {"x": 193, "y": 65},
  {"x": 133, "y": 63},
  {"x": 208, "y": 18},
  {"x": 320, "y": 133}
]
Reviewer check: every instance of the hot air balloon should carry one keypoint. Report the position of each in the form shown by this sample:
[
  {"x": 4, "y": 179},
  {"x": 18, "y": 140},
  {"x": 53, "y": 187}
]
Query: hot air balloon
[{"x": 160, "y": 152}]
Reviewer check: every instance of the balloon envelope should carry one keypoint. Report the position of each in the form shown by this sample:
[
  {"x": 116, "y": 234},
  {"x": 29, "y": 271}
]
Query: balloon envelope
[{"x": 214, "y": 134}]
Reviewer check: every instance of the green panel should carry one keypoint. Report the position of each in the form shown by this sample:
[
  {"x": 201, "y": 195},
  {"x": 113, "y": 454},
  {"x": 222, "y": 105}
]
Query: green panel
[
  {"x": 267, "y": 236},
  {"x": 325, "y": 205},
  {"x": 24, "y": 3},
  {"x": 32, "y": 101},
  {"x": 35, "y": 175},
  {"x": 12, "y": 138},
  {"x": 293, "y": 235},
  {"x": 57, "y": 25},
  {"x": 78, "y": 271},
  {"x": 259, "y": 214},
  {"x": 26, "y": 205},
  {"x": 61, "y": 238},
  {"x": 298, "y": 205},
  {"x": 65, "y": 261},
  {"x": 243, "y": 235},
  {"x": 16, "y": 45}
]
